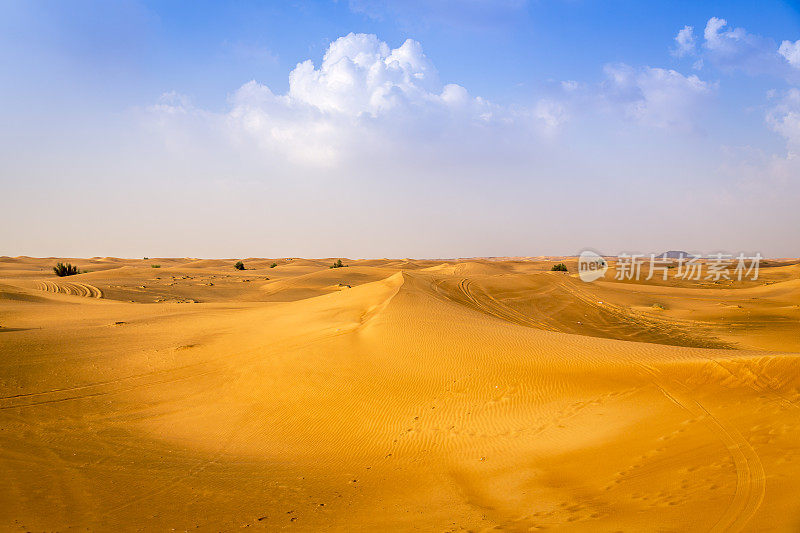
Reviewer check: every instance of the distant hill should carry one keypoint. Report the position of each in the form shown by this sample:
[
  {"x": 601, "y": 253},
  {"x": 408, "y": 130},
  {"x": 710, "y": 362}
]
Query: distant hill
[{"x": 676, "y": 254}]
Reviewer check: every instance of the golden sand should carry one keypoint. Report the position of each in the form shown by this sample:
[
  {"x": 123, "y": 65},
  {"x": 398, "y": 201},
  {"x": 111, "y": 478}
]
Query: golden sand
[{"x": 395, "y": 395}]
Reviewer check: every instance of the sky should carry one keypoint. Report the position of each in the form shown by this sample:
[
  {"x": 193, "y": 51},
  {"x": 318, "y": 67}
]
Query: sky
[{"x": 363, "y": 128}]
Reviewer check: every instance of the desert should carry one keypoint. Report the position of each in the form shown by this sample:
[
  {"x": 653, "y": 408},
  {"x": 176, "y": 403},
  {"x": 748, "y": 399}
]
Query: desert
[{"x": 434, "y": 395}]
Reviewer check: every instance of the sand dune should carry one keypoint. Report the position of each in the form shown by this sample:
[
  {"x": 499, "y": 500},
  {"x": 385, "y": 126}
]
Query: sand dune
[{"x": 395, "y": 395}]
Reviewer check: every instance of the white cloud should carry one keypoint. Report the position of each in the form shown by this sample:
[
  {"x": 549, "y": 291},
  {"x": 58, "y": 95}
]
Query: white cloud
[
  {"x": 791, "y": 52},
  {"x": 717, "y": 40},
  {"x": 551, "y": 112},
  {"x": 172, "y": 103},
  {"x": 365, "y": 99},
  {"x": 685, "y": 42},
  {"x": 784, "y": 118},
  {"x": 570, "y": 85},
  {"x": 656, "y": 97},
  {"x": 783, "y": 172},
  {"x": 732, "y": 49},
  {"x": 736, "y": 49},
  {"x": 360, "y": 74},
  {"x": 773, "y": 175}
]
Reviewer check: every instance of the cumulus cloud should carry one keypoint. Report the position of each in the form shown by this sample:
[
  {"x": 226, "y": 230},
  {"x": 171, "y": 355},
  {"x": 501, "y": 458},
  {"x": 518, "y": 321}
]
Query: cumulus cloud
[
  {"x": 369, "y": 105},
  {"x": 685, "y": 42},
  {"x": 726, "y": 41},
  {"x": 735, "y": 49},
  {"x": 366, "y": 98},
  {"x": 791, "y": 52},
  {"x": 360, "y": 74},
  {"x": 654, "y": 96}
]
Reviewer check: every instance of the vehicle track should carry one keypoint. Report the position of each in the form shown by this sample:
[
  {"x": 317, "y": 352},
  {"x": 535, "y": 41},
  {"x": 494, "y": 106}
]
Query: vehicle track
[
  {"x": 486, "y": 303},
  {"x": 750, "y": 478},
  {"x": 667, "y": 327},
  {"x": 71, "y": 288}
]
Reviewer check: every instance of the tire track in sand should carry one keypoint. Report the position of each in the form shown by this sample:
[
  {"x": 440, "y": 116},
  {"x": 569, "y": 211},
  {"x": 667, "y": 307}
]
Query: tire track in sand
[
  {"x": 487, "y": 304},
  {"x": 73, "y": 288},
  {"x": 750, "y": 478},
  {"x": 667, "y": 328}
]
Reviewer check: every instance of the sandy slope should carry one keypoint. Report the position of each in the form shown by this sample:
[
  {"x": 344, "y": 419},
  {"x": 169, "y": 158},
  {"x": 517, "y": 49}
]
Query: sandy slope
[{"x": 395, "y": 395}]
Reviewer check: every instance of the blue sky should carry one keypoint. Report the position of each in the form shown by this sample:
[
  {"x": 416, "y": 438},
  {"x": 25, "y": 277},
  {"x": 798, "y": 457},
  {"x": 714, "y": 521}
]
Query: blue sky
[{"x": 505, "y": 128}]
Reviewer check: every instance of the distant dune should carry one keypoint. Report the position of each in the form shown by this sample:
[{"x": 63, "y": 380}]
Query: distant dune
[{"x": 395, "y": 394}]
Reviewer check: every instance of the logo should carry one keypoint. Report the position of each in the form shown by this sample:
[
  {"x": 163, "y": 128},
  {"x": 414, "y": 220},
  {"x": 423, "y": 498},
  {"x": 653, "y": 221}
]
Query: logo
[{"x": 591, "y": 266}]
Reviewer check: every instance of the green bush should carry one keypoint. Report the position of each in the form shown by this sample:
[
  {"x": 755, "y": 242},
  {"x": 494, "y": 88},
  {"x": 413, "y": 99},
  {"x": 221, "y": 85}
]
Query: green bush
[
  {"x": 273, "y": 265},
  {"x": 68, "y": 269},
  {"x": 155, "y": 266},
  {"x": 239, "y": 265},
  {"x": 338, "y": 264},
  {"x": 560, "y": 267}
]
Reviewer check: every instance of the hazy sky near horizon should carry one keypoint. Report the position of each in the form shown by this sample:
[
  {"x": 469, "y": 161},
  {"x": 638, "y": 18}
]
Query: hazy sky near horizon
[{"x": 398, "y": 128}]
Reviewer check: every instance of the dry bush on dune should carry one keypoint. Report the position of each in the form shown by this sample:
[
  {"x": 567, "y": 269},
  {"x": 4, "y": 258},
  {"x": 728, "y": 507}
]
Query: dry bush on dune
[{"x": 62, "y": 269}]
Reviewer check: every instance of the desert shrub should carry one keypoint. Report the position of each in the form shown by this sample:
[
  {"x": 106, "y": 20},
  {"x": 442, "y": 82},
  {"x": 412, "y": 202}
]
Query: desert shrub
[
  {"x": 560, "y": 267},
  {"x": 239, "y": 265},
  {"x": 155, "y": 266},
  {"x": 67, "y": 269},
  {"x": 146, "y": 258},
  {"x": 273, "y": 265},
  {"x": 338, "y": 264}
]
